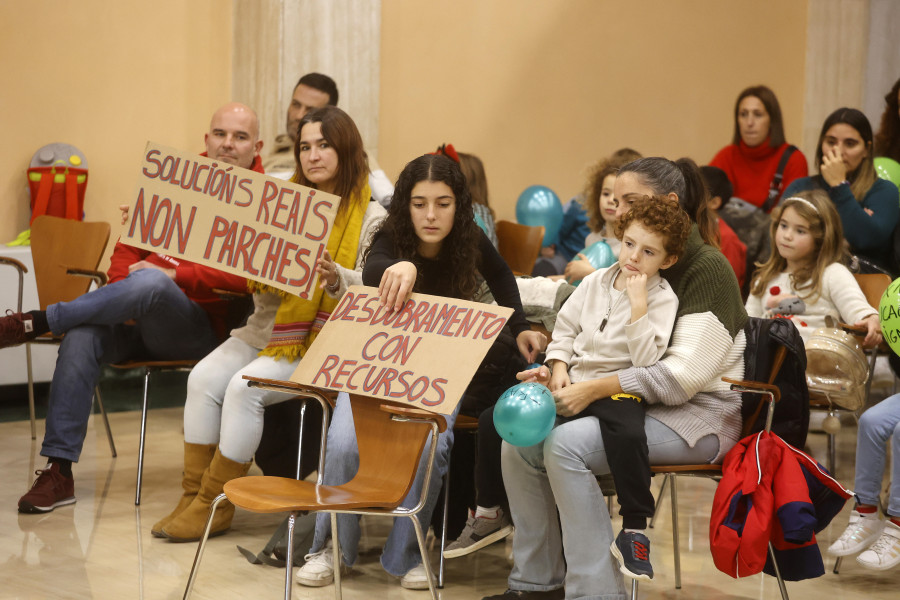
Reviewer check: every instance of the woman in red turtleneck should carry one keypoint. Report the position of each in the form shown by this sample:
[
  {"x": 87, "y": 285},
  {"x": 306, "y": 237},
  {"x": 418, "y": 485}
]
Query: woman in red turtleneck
[{"x": 752, "y": 158}]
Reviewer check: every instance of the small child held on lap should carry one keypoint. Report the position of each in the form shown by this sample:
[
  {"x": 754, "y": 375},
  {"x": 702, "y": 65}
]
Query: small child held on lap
[{"x": 620, "y": 317}]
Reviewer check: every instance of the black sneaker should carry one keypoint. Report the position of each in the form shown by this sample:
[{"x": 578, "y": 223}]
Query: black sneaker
[
  {"x": 478, "y": 533},
  {"x": 632, "y": 550}
]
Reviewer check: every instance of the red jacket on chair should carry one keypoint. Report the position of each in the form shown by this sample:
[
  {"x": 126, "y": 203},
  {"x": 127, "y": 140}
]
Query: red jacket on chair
[{"x": 770, "y": 491}]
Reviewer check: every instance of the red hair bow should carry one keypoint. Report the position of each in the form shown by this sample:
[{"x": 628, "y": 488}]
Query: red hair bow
[{"x": 447, "y": 150}]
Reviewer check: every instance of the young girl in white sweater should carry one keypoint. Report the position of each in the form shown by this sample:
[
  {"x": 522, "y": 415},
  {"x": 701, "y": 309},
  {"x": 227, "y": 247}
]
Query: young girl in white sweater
[{"x": 804, "y": 280}]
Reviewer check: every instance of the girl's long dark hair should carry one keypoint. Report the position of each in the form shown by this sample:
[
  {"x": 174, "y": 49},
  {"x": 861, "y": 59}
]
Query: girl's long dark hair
[{"x": 460, "y": 249}]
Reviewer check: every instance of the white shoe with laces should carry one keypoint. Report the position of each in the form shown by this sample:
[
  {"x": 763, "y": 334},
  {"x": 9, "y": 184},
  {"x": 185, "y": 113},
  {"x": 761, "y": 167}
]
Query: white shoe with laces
[
  {"x": 885, "y": 552},
  {"x": 318, "y": 570},
  {"x": 862, "y": 531},
  {"x": 415, "y": 579}
]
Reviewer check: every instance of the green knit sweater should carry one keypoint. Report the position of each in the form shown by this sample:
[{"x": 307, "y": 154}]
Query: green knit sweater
[{"x": 685, "y": 390}]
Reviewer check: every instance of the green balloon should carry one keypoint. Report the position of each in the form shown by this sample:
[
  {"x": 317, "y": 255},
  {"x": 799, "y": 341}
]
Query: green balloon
[
  {"x": 889, "y": 312},
  {"x": 888, "y": 169}
]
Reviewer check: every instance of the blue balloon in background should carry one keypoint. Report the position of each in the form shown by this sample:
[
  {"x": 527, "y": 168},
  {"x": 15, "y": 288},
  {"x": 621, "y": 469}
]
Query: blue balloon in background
[
  {"x": 600, "y": 255},
  {"x": 539, "y": 205},
  {"x": 525, "y": 414}
]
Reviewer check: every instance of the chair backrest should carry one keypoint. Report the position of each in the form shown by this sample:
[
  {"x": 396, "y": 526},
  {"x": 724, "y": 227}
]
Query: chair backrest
[
  {"x": 519, "y": 245},
  {"x": 59, "y": 244},
  {"x": 389, "y": 454},
  {"x": 873, "y": 286}
]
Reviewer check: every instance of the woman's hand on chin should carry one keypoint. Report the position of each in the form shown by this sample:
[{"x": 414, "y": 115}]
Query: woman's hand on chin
[{"x": 397, "y": 284}]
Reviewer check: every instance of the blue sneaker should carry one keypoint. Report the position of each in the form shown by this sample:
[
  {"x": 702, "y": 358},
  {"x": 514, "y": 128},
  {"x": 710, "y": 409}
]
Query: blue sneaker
[{"x": 632, "y": 550}]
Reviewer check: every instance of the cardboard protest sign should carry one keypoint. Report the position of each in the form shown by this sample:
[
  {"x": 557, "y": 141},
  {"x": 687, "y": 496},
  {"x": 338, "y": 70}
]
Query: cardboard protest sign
[
  {"x": 425, "y": 354},
  {"x": 229, "y": 218}
]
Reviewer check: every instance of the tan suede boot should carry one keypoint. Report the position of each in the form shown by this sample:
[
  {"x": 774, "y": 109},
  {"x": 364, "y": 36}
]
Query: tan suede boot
[
  {"x": 196, "y": 460},
  {"x": 189, "y": 525}
]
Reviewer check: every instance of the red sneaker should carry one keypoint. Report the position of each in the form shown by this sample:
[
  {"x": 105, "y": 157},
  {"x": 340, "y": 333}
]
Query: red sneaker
[
  {"x": 15, "y": 329},
  {"x": 49, "y": 490}
]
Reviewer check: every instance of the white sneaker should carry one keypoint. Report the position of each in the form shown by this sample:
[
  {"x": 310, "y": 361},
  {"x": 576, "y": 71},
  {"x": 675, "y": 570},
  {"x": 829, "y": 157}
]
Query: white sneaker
[
  {"x": 318, "y": 570},
  {"x": 885, "y": 552},
  {"x": 415, "y": 578},
  {"x": 860, "y": 533}
]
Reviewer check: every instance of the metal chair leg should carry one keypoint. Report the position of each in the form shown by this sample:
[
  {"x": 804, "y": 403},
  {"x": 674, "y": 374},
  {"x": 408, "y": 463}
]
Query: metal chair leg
[
  {"x": 832, "y": 453},
  {"x": 673, "y": 489},
  {"x": 300, "y": 441},
  {"x": 781, "y": 586},
  {"x": 444, "y": 525},
  {"x": 634, "y": 589},
  {"x": 837, "y": 565},
  {"x": 336, "y": 556},
  {"x": 420, "y": 536},
  {"x": 109, "y": 436},
  {"x": 289, "y": 556},
  {"x": 30, "y": 391},
  {"x": 140, "y": 469},
  {"x": 659, "y": 499},
  {"x": 202, "y": 546}
]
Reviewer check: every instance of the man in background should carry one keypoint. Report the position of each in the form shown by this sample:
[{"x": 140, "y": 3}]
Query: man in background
[{"x": 154, "y": 307}]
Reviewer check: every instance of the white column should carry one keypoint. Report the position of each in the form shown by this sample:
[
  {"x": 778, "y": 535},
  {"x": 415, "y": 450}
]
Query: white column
[{"x": 277, "y": 41}]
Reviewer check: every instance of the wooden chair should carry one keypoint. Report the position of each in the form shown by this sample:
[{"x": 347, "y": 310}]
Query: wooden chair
[
  {"x": 66, "y": 254},
  {"x": 390, "y": 438},
  {"x": 873, "y": 286},
  {"x": 22, "y": 269},
  {"x": 519, "y": 245},
  {"x": 150, "y": 367},
  {"x": 771, "y": 395}
]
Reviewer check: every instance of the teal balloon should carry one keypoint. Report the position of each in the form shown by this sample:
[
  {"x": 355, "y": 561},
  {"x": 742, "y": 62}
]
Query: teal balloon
[
  {"x": 537, "y": 206},
  {"x": 599, "y": 254},
  {"x": 889, "y": 314},
  {"x": 888, "y": 169},
  {"x": 525, "y": 414}
]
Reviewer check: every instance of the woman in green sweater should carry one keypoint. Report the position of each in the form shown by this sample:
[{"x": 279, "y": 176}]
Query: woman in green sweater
[{"x": 563, "y": 531}]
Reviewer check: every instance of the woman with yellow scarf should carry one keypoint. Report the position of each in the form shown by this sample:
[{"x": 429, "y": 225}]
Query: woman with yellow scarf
[{"x": 223, "y": 417}]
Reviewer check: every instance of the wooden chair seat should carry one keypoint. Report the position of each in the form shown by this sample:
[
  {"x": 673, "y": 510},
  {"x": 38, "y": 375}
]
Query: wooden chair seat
[
  {"x": 772, "y": 394},
  {"x": 705, "y": 469},
  {"x": 465, "y": 423},
  {"x": 390, "y": 439},
  {"x": 155, "y": 364}
]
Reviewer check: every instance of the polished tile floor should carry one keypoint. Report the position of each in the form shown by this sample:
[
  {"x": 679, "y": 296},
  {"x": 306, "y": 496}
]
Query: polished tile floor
[{"x": 101, "y": 546}]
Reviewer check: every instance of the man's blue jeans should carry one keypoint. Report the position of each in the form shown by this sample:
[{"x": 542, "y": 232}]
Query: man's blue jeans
[{"x": 169, "y": 326}]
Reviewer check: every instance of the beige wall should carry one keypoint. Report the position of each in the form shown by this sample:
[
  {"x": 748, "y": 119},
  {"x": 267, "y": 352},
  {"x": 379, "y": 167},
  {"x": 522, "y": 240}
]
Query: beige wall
[
  {"x": 540, "y": 90},
  {"x": 106, "y": 77}
]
